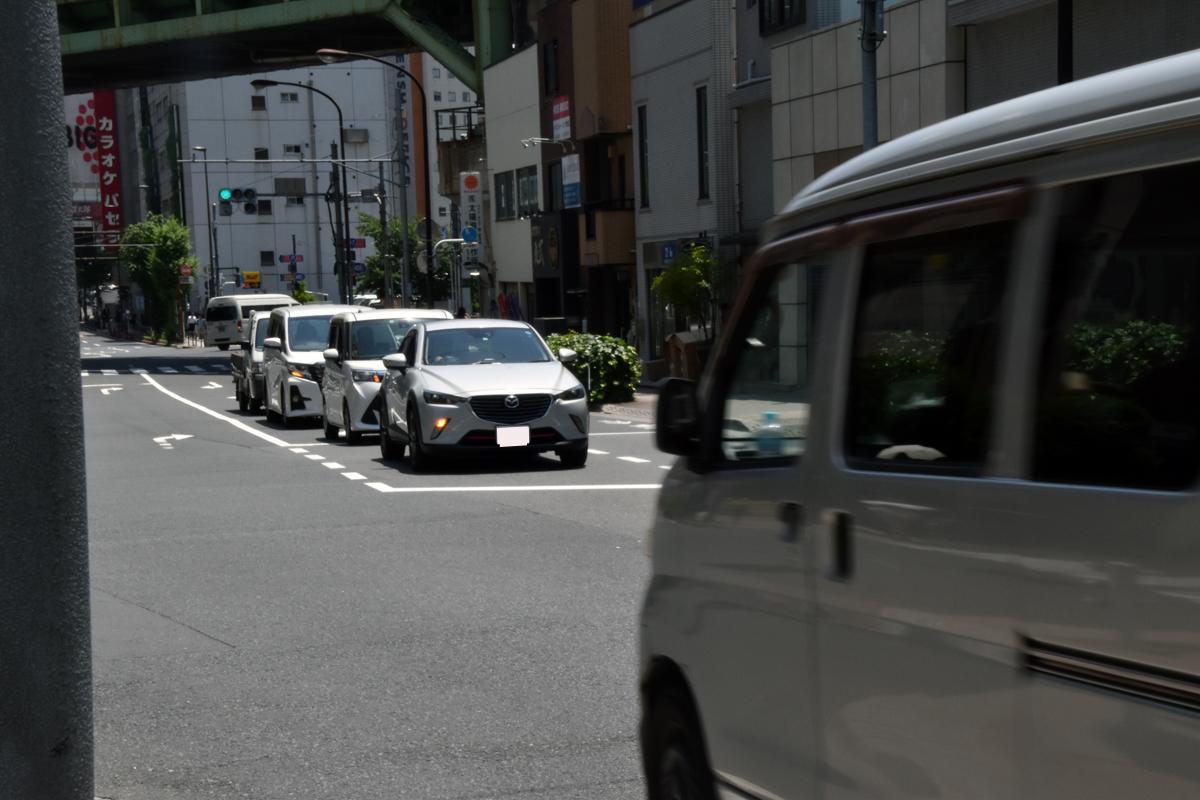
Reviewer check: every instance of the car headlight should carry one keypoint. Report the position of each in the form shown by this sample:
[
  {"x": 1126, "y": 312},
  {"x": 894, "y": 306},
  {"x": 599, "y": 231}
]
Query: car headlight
[
  {"x": 442, "y": 399},
  {"x": 367, "y": 375},
  {"x": 296, "y": 370},
  {"x": 576, "y": 392}
]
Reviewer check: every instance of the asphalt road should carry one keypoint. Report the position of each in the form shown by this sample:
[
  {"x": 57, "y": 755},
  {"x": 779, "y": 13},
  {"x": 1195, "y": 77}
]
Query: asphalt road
[{"x": 277, "y": 616}]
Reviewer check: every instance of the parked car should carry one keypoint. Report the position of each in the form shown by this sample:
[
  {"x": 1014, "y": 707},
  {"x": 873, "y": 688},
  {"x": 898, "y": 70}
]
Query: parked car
[
  {"x": 959, "y": 555},
  {"x": 481, "y": 386},
  {"x": 225, "y": 316},
  {"x": 292, "y": 360},
  {"x": 246, "y": 363},
  {"x": 354, "y": 365}
]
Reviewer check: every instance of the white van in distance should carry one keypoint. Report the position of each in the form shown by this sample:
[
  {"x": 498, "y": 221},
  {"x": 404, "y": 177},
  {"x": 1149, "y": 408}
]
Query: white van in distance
[{"x": 226, "y": 315}]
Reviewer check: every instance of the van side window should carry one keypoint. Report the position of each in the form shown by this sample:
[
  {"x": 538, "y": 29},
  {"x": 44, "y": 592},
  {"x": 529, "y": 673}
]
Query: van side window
[
  {"x": 923, "y": 364},
  {"x": 409, "y": 347},
  {"x": 1119, "y": 385},
  {"x": 766, "y": 406},
  {"x": 334, "y": 327}
]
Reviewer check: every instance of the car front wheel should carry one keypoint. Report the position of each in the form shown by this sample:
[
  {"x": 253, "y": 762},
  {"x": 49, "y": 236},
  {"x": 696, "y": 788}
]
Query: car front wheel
[
  {"x": 574, "y": 458},
  {"x": 675, "y": 762},
  {"x": 416, "y": 449},
  {"x": 389, "y": 448},
  {"x": 352, "y": 436}
]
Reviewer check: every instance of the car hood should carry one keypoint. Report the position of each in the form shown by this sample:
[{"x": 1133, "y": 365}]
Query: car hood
[
  {"x": 473, "y": 379},
  {"x": 305, "y": 356}
]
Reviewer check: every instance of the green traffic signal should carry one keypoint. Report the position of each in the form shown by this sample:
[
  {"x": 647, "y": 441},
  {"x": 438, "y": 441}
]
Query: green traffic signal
[{"x": 226, "y": 194}]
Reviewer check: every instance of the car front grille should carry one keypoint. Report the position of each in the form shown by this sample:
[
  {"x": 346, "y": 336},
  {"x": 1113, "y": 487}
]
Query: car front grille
[{"x": 499, "y": 408}]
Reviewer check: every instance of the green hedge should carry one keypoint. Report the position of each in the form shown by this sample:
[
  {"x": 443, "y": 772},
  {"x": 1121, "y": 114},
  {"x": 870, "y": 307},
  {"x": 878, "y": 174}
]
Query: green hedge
[{"x": 615, "y": 366}]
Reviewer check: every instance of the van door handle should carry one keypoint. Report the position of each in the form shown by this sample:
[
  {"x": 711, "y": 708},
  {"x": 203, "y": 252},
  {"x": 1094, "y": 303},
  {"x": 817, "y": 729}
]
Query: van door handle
[
  {"x": 843, "y": 546},
  {"x": 792, "y": 516}
]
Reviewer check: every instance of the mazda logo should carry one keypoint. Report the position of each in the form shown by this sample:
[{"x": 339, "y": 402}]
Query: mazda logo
[{"x": 512, "y": 401}]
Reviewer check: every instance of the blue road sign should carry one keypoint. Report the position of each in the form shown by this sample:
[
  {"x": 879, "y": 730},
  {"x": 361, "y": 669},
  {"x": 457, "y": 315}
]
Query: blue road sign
[
  {"x": 359, "y": 267},
  {"x": 668, "y": 253},
  {"x": 470, "y": 235},
  {"x": 299, "y": 276}
]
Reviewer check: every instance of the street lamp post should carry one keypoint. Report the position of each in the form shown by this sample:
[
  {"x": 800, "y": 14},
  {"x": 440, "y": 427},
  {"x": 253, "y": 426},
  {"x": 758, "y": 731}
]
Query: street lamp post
[
  {"x": 348, "y": 254},
  {"x": 330, "y": 55},
  {"x": 213, "y": 257}
]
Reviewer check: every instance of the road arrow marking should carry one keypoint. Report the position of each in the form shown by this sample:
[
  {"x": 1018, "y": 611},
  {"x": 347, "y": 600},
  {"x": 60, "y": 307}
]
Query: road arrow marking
[
  {"x": 109, "y": 390},
  {"x": 165, "y": 441},
  {"x": 212, "y": 385}
]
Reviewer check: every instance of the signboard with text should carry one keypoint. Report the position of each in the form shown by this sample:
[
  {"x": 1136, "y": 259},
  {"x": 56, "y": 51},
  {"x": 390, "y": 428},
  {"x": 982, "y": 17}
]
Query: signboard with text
[
  {"x": 112, "y": 223},
  {"x": 570, "y": 181},
  {"x": 560, "y": 118},
  {"x": 470, "y": 195}
]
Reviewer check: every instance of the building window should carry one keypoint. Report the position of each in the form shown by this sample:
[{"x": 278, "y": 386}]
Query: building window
[
  {"x": 442, "y": 211},
  {"x": 776, "y": 15},
  {"x": 466, "y": 97},
  {"x": 437, "y": 97},
  {"x": 261, "y": 154},
  {"x": 266, "y": 258},
  {"x": 258, "y": 102},
  {"x": 554, "y": 186},
  {"x": 289, "y": 97},
  {"x": 550, "y": 66},
  {"x": 264, "y": 208},
  {"x": 505, "y": 207},
  {"x": 702, "y": 141},
  {"x": 643, "y": 160},
  {"x": 451, "y": 97},
  {"x": 295, "y": 201},
  {"x": 437, "y": 72},
  {"x": 527, "y": 191},
  {"x": 292, "y": 149}
]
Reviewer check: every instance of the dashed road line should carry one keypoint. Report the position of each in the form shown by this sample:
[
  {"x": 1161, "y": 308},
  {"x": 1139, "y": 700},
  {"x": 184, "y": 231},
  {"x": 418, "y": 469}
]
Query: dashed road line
[
  {"x": 578, "y": 487},
  {"x": 109, "y": 372},
  {"x": 194, "y": 368},
  {"x": 354, "y": 476},
  {"x": 598, "y": 452},
  {"x": 299, "y": 450},
  {"x": 169, "y": 370},
  {"x": 634, "y": 459},
  {"x": 664, "y": 466},
  {"x": 333, "y": 465},
  {"x": 314, "y": 457}
]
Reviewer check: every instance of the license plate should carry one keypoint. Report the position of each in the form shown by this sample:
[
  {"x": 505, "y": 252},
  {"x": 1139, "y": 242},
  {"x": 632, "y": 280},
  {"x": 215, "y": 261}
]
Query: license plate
[{"x": 512, "y": 437}]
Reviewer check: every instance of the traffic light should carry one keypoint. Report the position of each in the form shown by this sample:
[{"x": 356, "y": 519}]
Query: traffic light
[{"x": 247, "y": 198}]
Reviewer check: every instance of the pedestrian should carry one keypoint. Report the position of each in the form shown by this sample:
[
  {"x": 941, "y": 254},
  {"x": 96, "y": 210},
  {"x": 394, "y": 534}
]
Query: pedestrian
[{"x": 461, "y": 313}]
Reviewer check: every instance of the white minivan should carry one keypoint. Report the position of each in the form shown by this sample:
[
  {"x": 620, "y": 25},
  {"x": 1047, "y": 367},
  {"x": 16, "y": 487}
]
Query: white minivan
[
  {"x": 292, "y": 360},
  {"x": 935, "y": 528},
  {"x": 354, "y": 365},
  {"x": 225, "y": 316}
]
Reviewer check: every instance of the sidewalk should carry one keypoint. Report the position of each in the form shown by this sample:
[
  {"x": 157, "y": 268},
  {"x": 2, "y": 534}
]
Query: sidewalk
[{"x": 641, "y": 407}]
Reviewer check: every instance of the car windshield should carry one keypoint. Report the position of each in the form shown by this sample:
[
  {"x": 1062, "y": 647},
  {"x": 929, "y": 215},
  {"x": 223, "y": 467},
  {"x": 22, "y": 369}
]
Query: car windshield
[
  {"x": 484, "y": 346},
  {"x": 376, "y": 338},
  {"x": 308, "y": 333}
]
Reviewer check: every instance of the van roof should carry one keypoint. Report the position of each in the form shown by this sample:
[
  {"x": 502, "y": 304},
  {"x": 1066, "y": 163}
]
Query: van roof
[
  {"x": 314, "y": 310},
  {"x": 403, "y": 313},
  {"x": 270, "y": 298},
  {"x": 1052, "y": 118}
]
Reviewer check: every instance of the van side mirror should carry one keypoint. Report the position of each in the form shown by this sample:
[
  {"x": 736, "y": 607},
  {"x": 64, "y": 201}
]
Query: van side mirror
[
  {"x": 272, "y": 342},
  {"x": 397, "y": 362},
  {"x": 331, "y": 354},
  {"x": 677, "y": 417},
  {"x": 566, "y": 355}
]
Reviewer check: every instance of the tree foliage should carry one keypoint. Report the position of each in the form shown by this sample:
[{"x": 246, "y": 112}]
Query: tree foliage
[
  {"x": 163, "y": 246},
  {"x": 426, "y": 288},
  {"x": 301, "y": 294},
  {"x": 610, "y": 365},
  {"x": 687, "y": 283}
]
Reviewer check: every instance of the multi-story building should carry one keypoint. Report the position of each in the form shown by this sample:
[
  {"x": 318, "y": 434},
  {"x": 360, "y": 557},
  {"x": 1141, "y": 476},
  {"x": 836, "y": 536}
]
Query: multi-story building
[
  {"x": 682, "y": 79},
  {"x": 583, "y": 260},
  {"x": 448, "y": 99},
  {"x": 940, "y": 58}
]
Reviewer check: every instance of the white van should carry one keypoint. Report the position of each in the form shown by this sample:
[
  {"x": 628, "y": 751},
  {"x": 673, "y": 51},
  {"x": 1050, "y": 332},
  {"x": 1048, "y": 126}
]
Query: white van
[
  {"x": 293, "y": 363},
  {"x": 935, "y": 528},
  {"x": 225, "y": 315}
]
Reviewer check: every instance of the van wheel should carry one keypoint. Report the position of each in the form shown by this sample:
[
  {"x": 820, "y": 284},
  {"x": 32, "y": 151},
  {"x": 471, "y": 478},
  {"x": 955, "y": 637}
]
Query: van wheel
[
  {"x": 256, "y": 404},
  {"x": 675, "y": 762},
  {"x": 331, "y": 430},
  {"x": 283, "y": 417},
  {"x": 272, "y": 417},
  {"x": 352, "y": 436},
  {"x": 223, "y": 347},
  {"x": 243, "y": 401},
  {"x": 389, "y": 448}
]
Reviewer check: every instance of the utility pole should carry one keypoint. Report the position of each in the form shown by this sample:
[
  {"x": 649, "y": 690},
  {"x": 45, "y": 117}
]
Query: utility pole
[
  {"x": 871, "y": 37},
  {"x": 405, "y": 274},
  {"x": 46, "y": 742},
  {"x": 389, "y": 297},
  {"x": 339, "y": 245}
]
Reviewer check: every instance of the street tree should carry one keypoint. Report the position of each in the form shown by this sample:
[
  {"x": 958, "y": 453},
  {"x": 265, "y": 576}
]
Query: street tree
[
  {"x": 687, "y": 284},
  {"x": 426, "y": 287},
  {"x": 163, "y": 245}
]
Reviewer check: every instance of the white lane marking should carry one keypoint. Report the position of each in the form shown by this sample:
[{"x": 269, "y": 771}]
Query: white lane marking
[
  {"x": 299, "y": 450},
  {"x": 169, "y": 370},
  {"x": 616, "y": 422},
  {"x": 333, "y": 465},
  {"x": 212, "y": 385},
  {"x": 634, "y": 459},
  {"x": 621, "y": 433},
  {"x": 237, "y": 423},
  {"x": 85, "y": 374},
  {"x": 99, "y": 385},
  {"x": 354, "y": 476},
  {"x": 580, "y": 487},
  {"x": 138, "y": 371},
  {"x": 108, "y": 372},
  {"x": 232, "y": 397},
  {"x": 314, "y": 457},
  {"x": 194, "y": 368},
  {"x": 217, "y": 368},
  {"x": 644, "y": 426},
  {"x": 106, "y": 392},
  {"x": 598, "y": 452},
  {"x": 165, "y": 441},
  {"x": 663, "y": 466}
]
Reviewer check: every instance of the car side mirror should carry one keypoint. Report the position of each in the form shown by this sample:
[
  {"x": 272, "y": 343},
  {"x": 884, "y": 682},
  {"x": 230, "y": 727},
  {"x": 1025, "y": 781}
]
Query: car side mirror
[
  {"x": 331, "y": 354},
  {"x": 397, "y": 362},
  {"x": 677, "y": 417},
  {"x": 566, "y": 355},
  {"x": 272, "y": 342}
]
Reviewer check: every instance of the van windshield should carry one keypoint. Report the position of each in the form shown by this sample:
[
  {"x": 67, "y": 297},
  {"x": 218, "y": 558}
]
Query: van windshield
[{"x": 308, "y": 333}]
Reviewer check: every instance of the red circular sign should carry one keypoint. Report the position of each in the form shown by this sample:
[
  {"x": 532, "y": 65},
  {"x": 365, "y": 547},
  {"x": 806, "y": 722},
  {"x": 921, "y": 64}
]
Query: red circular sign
[{"x": 471, "y": 182}]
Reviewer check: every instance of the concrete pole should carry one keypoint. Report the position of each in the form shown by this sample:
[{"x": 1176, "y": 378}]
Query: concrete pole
[
  {"x": 45, "y": 639},
  {"x": 871, "y": 37},
  {"x": 339, "y": 247},
  {"x": 405, "y": 279},
  {"x": 389, "y": 297}
]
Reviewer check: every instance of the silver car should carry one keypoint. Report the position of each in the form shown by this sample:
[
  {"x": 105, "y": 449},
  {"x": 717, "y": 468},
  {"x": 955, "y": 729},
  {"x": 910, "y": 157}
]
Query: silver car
[{"x": 477, "y": 387}]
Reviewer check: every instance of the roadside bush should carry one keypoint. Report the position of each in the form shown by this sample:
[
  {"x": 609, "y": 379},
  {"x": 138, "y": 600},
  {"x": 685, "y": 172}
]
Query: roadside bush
[{"x": 614, "y": 365}]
